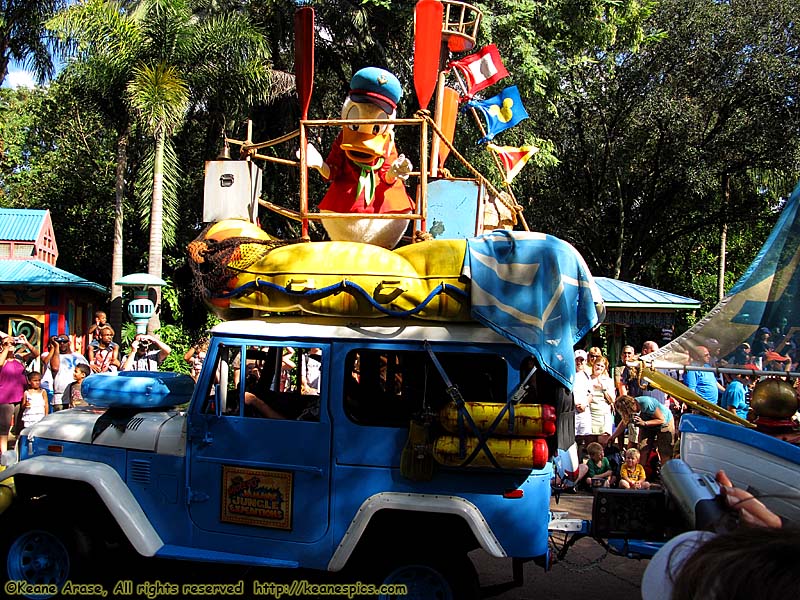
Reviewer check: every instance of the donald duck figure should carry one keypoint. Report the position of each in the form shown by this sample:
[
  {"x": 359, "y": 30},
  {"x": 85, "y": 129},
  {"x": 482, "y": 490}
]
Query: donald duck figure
[{"x": 366, "y": 174}]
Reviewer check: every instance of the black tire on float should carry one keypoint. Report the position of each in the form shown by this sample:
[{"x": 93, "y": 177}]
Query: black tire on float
[
  {"x": 37, "y": 554},
  {"x": 431, "y": 577}
]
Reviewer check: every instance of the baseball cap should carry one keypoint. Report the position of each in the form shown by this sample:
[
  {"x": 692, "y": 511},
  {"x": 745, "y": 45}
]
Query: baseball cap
[{"x": 580, "y": 354}]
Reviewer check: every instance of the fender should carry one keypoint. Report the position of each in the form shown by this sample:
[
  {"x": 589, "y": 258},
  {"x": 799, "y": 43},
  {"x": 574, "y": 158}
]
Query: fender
[
  {"x": 113, "y": 492},
  {"x": 424, "y": 503}
]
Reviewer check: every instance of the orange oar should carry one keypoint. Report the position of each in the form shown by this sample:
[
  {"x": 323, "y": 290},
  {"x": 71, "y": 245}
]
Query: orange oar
[
  {"x": 304, "y": 82},
  {"x": 427, "y": 47},
  {"x": 304, "y": 56},
  {"x": 447, "y": 121}
]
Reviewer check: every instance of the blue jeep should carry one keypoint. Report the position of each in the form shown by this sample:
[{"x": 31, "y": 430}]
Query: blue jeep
[{"x": 315, "y": 443}]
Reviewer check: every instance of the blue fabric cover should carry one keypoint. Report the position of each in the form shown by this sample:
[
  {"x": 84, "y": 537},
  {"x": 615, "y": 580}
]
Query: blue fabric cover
[{"x": 535, "y": 290}]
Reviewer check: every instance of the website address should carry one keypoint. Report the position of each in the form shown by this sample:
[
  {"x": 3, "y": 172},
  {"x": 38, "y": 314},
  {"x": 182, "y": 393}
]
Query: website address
[{"x": 304, "y": 587}]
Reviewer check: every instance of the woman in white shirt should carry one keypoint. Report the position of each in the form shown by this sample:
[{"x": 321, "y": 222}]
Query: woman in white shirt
[
  {"x": 602, "y": 390},
  {"x": 582, "y": 392}
]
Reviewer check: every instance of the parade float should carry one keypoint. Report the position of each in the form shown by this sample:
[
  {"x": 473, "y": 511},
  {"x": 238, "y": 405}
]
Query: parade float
[
  {"x": 404, "y": 243},
  {"x": 379, "y": 409}
]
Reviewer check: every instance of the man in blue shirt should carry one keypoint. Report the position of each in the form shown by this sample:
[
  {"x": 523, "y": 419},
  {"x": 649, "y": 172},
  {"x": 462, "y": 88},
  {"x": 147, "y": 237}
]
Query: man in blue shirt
[
  {"x": 735, "y": 396},
  {"x": 703, "y": 383}
]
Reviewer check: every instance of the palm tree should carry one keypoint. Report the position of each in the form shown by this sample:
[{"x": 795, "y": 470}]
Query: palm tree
[
  {"x": 23, "y": 36},
  {"x": 159, "y": 97},
  {"x": 155, "y": 52}
]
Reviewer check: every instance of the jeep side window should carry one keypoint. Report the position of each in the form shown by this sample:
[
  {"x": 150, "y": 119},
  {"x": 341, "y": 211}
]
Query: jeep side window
[
  {"x": 387, "y": 388},
  {"x": 283, "y": 382}
]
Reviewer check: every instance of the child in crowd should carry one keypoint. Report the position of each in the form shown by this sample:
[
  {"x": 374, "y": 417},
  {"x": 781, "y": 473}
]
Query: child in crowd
[
  {"x": 104, "y": 352},
  {"x": 599, "y": 466},
  {"x": 195, "y": 357},
  {"x": 100, "y": 321},
  {"x": 73, "y": 390},
  {"x": 632, "y": 475},
  {"x": 34, "y": 402}
]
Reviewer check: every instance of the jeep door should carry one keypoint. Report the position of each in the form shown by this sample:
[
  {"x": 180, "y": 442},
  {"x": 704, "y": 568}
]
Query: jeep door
[{"x": 260, "y": 442}]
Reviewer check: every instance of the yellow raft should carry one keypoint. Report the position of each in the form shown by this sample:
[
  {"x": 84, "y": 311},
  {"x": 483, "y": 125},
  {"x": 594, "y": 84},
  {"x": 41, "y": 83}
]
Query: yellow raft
[
  {"x": 343, "y": 278},
  {"x": 530, "y": 420},
  {"x": 510, "y": 453}
]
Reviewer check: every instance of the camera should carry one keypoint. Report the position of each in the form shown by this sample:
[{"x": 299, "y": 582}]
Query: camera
[
  {"x": 697, "y": 496},
  {"x": 61, "y": 339},
  {"x": 19, "y": 339}
]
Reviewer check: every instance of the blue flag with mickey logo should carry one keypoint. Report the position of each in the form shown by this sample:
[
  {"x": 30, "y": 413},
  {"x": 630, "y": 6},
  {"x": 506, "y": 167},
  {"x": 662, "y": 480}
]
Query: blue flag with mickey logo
[{"x": 501, "y": 112}]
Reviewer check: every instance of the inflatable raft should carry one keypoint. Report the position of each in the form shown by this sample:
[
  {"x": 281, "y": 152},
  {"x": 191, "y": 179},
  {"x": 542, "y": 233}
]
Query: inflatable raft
[
  {"x": 137, "y": 389},
  {"x": 335, "y": 278}
]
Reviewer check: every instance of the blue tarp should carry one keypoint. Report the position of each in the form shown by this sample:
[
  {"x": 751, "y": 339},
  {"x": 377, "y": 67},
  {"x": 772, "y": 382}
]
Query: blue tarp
[{"x": 535, "y": 290}]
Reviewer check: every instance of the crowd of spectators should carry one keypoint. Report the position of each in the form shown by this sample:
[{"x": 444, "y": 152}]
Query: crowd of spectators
[
  {"x": 616, "y": 412},
  {"x": 27, "y": 395}
]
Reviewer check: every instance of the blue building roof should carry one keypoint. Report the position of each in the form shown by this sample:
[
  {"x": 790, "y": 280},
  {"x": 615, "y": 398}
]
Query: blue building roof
[
  {"x": 21, "y": 224},
  {"x": 39, "y": 273},
  {"x": 620, "y": 294}
]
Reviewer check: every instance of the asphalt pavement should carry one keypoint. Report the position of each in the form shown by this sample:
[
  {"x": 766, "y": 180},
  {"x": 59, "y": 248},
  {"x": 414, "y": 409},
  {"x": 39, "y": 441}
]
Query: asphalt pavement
[{"x": 587, "y": 572}]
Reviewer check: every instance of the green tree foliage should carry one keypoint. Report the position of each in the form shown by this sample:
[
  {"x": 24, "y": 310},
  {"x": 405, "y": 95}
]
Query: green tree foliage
[
  {"x": 642, "y": 108},
  {"x": 58, "y": 155},
  {"x": 23, "y": 37},
  {"x": 646, "y": 145}
]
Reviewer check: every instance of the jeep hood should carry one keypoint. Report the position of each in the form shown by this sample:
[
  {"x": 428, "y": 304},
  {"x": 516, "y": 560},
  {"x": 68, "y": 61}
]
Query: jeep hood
[{"x": 163, "y": 432}]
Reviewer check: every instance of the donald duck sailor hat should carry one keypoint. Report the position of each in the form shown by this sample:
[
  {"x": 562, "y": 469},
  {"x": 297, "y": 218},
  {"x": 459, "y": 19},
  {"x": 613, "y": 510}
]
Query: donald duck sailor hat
[{"x": 377, "y": 86}]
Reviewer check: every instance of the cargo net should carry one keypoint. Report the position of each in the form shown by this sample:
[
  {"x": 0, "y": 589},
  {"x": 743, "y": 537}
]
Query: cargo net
[{"x": 211, "y": 260}]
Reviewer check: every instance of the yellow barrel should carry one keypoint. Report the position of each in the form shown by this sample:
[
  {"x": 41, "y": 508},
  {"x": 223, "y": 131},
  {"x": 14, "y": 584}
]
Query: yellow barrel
[
  {"x": 510, "y": 453},
  {"x": 529, "y": 419}
]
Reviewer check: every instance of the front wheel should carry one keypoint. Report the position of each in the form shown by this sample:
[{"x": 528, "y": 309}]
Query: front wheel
[
  {"x": 432, "y": 578},
  {"x": 39, "y": 562}
]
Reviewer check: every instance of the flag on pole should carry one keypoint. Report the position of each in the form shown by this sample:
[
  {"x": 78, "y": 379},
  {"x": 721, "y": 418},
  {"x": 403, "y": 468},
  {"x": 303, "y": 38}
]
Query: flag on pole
[
  {"x": 513, "y": 158},
  {"x": 481, "y": 69},
  {"x": 501, "y": 112}
]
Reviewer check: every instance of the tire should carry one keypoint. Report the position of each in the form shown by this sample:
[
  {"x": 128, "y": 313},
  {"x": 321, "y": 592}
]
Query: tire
[
  {"x": 38, "y": 556},
  {"x": 432, "y": 578}
]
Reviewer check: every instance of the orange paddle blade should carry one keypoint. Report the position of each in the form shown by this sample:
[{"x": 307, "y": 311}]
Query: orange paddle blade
[
  {"x": 447, "y": 121},
  {"x": 304, "y": 56},
  {"x": 427, "y": 48}
]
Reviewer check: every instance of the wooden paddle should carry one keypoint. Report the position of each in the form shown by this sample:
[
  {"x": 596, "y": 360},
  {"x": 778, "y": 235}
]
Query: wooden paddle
[
  {"x": 304, "y": 82},
  {"x": 304, "y": 56},
  {"x": 447, "y": 121},
  {"x": 427, "y": 47}
]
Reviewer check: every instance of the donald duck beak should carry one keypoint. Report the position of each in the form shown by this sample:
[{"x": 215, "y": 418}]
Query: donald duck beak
[{"x": 364, "y": 147}]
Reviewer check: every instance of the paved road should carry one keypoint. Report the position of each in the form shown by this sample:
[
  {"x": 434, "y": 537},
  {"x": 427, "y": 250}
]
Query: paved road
[{"x": 587, "y": 571}]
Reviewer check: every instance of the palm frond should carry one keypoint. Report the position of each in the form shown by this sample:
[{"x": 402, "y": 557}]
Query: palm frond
[
  {"x": 143, "y": 190},
  {"x": 159, "y": 96},
  {"x": 98, "y": 28}
]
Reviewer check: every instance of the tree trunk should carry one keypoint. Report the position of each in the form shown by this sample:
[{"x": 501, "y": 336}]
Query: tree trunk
[
  {"x": 620, "y": 232},
  {"x": 116, "y": 313},
  {"x": 723, "y": 238},
  {"x": 154, "y": 266}
]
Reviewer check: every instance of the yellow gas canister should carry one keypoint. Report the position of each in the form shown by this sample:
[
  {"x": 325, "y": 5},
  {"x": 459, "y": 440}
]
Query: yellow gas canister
[
  {"x": 6, "y": 496},
  {"x": 529, "y": 419},
  {"x": 510, "y": 453}
]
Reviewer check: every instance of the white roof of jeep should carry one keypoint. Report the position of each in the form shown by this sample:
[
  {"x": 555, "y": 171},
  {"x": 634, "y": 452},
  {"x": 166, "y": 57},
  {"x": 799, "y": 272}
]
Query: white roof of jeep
[{"x": 340, "y": 328}]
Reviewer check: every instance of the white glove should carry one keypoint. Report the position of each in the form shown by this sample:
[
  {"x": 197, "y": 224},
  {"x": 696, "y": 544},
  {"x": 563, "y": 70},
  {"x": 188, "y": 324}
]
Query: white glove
[
  {"x": 314, "y": 160},
  {"x": 313, "y": 157},
  {"x": 400, "y": 168}
]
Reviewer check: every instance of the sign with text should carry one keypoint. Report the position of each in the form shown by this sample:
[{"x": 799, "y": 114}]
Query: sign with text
[{"x": 257, "y": 497}]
